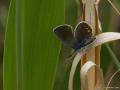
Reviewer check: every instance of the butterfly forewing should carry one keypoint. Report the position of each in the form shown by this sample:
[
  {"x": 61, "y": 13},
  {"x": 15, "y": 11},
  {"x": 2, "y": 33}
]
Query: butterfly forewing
[
  {"x": 65, "y": 34},
  {"x": 83, "y": 35},
  {"x": 83, "y": 31}
]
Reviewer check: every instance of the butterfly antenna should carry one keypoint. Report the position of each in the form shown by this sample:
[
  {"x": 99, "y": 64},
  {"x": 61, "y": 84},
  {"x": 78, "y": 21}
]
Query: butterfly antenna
[{"x": 114, "y": 7}]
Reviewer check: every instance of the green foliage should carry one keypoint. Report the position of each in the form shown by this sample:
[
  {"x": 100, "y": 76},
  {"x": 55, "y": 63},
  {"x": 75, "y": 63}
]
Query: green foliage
[
  {"x": 31, "y": 49},
  {"x": 31, "y": 55}
]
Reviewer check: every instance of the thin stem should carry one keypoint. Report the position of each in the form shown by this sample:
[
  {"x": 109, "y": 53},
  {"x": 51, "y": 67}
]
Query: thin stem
[
  {"x": 115, "y": 59},
  {"x": 78, "y": 9},
  {"x": 111, "y": 79},
  {"x": 114, "y": 7}
]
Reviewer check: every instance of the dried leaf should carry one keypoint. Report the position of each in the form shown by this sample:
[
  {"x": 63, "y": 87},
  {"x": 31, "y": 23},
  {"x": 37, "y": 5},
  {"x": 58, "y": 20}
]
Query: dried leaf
[
  {"x": 84, "y": 74},
  {"x": 73, "y": 68},
  {"x": 100, "y": 39}
]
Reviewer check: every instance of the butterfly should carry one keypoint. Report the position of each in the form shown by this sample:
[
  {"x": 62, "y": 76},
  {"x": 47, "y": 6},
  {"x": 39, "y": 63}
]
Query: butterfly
[{"x": 80, "y": 37}]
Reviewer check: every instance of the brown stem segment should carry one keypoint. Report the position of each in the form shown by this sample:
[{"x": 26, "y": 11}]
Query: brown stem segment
[
  {"x": 90, "y": 14},
  {"x": 97, "y": 49}
]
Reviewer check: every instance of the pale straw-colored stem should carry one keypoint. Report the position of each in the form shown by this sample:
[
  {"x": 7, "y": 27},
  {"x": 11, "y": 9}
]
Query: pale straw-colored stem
[
  {"x": 114, "y": 7},
  {"x": 107, "y": 87},
  {"x": 84, "y": 76},
  {"x": 100, "y": 39}
]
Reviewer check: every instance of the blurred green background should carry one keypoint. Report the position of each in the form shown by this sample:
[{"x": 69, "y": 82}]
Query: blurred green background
[{"x": 110, "y": 21}]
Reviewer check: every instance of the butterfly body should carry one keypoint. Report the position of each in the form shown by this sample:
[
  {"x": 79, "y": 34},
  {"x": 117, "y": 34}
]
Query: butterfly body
[
  {"x": 78, "y": 45},
  {"x": 81, "y": 36},
  {"x": 81, "y": 44}
]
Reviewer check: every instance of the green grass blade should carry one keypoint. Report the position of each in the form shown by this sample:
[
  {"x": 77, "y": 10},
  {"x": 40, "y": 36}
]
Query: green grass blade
[
  {"x": 9, "y": 64},
  {"x": 31, "y": 48}
]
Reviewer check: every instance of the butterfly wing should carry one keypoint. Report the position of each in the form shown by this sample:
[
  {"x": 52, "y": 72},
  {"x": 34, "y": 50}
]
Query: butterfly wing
[
  {"x": 65, "y": 34},
  {"x": 83, "y": 34}
]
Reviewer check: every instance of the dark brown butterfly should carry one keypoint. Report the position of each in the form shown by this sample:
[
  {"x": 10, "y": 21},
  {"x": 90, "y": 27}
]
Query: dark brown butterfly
[{"x": 81, "y": 36}]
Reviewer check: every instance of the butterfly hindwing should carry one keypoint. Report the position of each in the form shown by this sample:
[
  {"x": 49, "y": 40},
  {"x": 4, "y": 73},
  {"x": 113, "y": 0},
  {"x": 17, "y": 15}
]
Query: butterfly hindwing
[{"x": 65, "y": 34}]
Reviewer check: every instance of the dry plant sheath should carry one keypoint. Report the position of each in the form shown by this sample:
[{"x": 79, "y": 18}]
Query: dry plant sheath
[
  {"x": 100, "y": 39},
  {"x": 90, "y": 14},
  {"x": 86, "y": 40},
  {"x": 90, "y": 54}
]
